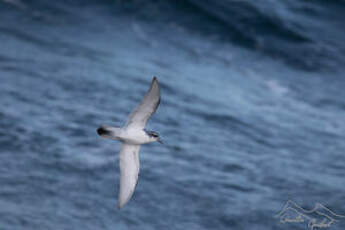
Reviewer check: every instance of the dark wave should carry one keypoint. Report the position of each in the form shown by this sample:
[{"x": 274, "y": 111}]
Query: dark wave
[
  {"x": 295, "y": 32},
  {"x": 288, "y": 32}
]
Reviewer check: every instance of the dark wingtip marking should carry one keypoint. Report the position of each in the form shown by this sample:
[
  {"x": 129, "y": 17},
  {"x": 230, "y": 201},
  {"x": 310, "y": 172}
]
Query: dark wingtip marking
[{"x": 154, "y": 79}]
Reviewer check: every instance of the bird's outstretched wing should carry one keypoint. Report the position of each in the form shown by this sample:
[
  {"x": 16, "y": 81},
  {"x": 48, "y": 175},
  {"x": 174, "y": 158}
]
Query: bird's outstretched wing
[
  {"x": 129, "y": 167},
  {"x": 147, "y": 107}
]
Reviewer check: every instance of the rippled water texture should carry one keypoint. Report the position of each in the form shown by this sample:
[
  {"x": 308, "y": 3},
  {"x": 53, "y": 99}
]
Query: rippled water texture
[{"x": 252, "y": 112}]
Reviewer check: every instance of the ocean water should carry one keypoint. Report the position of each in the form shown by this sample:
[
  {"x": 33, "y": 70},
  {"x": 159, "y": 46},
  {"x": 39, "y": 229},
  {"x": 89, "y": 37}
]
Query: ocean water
[{"x": 252, "y": 112}]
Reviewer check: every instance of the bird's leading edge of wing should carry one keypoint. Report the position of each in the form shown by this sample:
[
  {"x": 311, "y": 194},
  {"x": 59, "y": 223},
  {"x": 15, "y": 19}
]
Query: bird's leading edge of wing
[{"x": 147, "y": 107}]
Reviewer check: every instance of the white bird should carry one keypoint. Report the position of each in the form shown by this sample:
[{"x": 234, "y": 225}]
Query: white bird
[{"x": 132, "y": 136}]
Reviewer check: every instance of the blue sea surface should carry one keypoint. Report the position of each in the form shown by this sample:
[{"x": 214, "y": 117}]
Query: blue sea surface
[{"x": 252, "y": 112}]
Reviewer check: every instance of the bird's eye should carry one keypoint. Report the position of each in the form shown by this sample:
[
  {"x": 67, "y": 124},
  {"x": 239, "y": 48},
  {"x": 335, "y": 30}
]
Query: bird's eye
[{"x": 152, "y": 134}]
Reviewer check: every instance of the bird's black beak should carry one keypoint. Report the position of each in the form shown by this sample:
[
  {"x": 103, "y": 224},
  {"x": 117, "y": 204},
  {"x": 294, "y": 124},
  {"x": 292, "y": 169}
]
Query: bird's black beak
[{"x": 160, "y": 141}]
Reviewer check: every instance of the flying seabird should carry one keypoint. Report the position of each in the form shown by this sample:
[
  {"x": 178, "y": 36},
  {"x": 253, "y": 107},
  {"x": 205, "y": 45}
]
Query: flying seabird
[{"x": 132, "y": 136}]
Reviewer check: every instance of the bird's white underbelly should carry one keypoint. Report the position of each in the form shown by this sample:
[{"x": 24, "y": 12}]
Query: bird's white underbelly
[{"x": 135, "y": 136}]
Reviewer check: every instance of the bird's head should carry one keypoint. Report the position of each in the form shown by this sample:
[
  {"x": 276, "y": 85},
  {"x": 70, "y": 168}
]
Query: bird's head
[{"x": 154, "y": 136}]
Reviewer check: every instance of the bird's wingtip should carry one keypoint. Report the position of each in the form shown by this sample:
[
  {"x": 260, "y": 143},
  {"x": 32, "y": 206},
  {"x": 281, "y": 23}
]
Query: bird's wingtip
[{"x": 154, "y": 81}]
